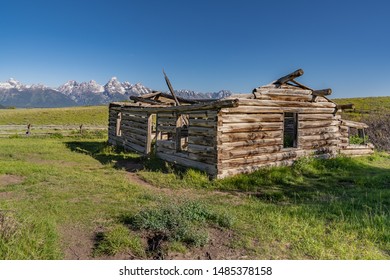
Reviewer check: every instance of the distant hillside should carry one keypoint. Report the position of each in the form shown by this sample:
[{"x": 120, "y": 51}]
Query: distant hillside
[
  {"x": 2, "y": 107},
  {"x": 365, "y": 105}
]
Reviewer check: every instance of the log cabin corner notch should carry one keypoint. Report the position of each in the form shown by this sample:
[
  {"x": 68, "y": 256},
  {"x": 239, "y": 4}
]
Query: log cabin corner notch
[{"x": 274, "y": 125}]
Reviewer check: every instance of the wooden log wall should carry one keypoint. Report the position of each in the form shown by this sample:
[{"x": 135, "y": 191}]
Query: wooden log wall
[
  {"x": 250, "y": 136},
  {"x": 200, "y": 151},
  {"x": 113, "y": 138},
  {"x": 135, "y": 129}
]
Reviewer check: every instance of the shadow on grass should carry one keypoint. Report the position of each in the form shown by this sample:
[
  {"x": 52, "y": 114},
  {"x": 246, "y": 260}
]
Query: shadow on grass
[{"x": 107, "y": 154}]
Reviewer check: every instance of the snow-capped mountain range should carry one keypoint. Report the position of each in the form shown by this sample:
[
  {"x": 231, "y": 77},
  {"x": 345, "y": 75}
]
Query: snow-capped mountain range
[{"x": 72, "y": 93}]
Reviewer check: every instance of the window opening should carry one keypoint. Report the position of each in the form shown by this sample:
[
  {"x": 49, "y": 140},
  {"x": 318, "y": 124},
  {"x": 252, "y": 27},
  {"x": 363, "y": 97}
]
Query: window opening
[{"x": 290, "y": 130}]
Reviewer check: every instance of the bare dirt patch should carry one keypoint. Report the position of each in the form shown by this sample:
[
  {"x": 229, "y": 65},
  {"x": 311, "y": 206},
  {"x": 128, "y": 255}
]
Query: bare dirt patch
[
  {"x": 6, "y": 180},
  {"x": 79, "y": 242}
]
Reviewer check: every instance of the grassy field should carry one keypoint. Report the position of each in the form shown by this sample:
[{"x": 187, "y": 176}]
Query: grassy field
[
  {"x": 91, "y": 115},
  {"x": 72, "y": 198},
  {"x": 78, "y": 198}
]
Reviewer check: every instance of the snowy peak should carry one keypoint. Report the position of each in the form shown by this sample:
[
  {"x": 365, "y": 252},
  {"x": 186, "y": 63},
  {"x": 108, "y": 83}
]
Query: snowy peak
[
  {"x": 73, "y": 87},
  {"x": 114, "y": 86},
  {"x": 14, "y": 84},
  {"x": 10, "y": 84}
]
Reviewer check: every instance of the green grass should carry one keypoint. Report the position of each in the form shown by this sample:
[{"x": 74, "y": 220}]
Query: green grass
[
  {"x": 317, "y": 209},
  {"x": 365, "y": 106},
  {"x": 91, "y": 115}
]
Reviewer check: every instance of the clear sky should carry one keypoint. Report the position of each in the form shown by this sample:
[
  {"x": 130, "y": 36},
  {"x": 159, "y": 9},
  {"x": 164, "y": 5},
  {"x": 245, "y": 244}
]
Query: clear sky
[{"x": 202, "y": 45}]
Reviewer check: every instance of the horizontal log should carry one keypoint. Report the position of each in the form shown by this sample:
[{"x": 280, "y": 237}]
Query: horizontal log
[
  {"x": 251, "y": 168},
  {"x": 167, "y": 144},
  {"x": 202, "y": 140},
  {"x": 129, "y": 124},
  {"x": 209, "y": 159},
  {"x": 133, "y": 130},
  {"x": 201, "y": 131},
  {"x": 170, "y": 129},
  {"x": 184, "y": 109},
  {"x": 210, "y": 115},
  {"x": 228, "y": 146},
  {"x": 134, "y": 147},
  {"x": 129, "y": 139},
  {"x": 313, "y": 117},
  {"x": 322, "y": 92},
  {"x": 323, "y": 136},
  {"x": 353, "y": 124},
  {"x": 359, "y": 147},
  {"x": 284, "y": 96},
  {"x": 249, "y": 127},
  {"x": 259, "y": 159},
  {"x": 243, "y": 136},
  {"x": 318, "y": 130},
  {"x": 251, "y": 118},
  {"x": 250, "y": 152},
  {"x": 356, "y": 152},
  {"x": 128, "y": 133},
  {"x": 281, "y": 103},
  {"x": 345, "y": 106},
  {"x": 209, "y": 168},
  {"x": 315, "y": 144},
  {"x": 201, "y": 148},
  {"x": 203, "y": 123},
  {"x": 313, "y": 124},
  {"x": 263, "y": 109},
  {"x": 266, "y": 91}
]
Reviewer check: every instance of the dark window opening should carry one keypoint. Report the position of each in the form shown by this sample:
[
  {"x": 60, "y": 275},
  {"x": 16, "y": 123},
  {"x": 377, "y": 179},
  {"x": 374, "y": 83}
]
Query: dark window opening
[{"x": 290, "y": 130}]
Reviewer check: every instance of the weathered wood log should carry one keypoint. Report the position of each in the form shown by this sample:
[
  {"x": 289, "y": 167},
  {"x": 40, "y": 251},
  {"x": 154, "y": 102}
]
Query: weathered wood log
[
  {"x": 318, "y": 130},
  {"x": 263, "y": 109},
  {"x": 314, "y": 124},
  {"x": 171, "y": 88},
  {"x": 261, "y": 91},
  {"x": 278, "y": 156},
  {"x": 313, "y": 117},
  {"x": 323, "y": 136},
  {"x": 251, "y": 168},
  {"x": 247, "y": 153},
  {"x": 322, "y": 92},
  {"x": 242, "y": 136},
  {"x": 345, "y": 106},
  {"x": 199, "y": 131},
  {"x": 353, "y": 124},
  {"x": 209, "y": 168},
  {"x": 249, "y": 127},
  {"x": 145, "y": 100},
  {"x": 289, "y": 77},
  {"x": 134, "y": 147},
  {"x": 227, "y": 146},
  {"x": 167, "y": 144},
  {"x": 203, "y": 123},
  {"x": 148, "y": 148},
  {"x": 281, "y": 103},
  {"x": 187, "y": 109},
  {"x": 202, "y": 140},
  {"x": 251, "y": 118}
]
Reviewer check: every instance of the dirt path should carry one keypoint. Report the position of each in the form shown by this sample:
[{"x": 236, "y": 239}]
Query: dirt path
[{"x": 78, "y": 241}]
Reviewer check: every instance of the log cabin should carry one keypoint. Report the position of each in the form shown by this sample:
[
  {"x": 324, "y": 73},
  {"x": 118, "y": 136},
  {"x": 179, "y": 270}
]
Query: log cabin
[{"x": 273, "y": 125}]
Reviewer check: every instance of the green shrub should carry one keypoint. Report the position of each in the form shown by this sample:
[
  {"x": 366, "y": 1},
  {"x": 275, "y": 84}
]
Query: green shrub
[
  {"x": 180, "y": 223},
  {"x": 119, "y": 239}
]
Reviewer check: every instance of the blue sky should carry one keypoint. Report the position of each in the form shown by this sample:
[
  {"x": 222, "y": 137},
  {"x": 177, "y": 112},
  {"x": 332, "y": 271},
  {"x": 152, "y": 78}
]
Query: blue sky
[{"x": 202, "y": 45}]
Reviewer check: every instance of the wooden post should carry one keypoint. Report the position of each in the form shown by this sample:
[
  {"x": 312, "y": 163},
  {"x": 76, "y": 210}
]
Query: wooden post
[
  {"x": 178, "y": 132},
  {"x": 148, "y": 147}
]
